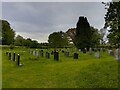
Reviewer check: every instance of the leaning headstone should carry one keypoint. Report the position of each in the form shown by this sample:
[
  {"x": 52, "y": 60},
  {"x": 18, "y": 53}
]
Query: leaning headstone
[
  {"x": 97, "y": 54},
  {"x": 56, "y": 56},
  {"x": 117, "y": 55},
  {"x": 75, "y": 55},
  {"x": 14, "y": 56}
]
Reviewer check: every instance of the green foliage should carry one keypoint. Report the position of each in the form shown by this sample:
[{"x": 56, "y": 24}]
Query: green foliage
[
  {"x": 7, "y": 33},
  {"x": 95, "y": 38},
  {"x": 112, "y": 20},
  {"x": 83, "y": 37},
  {"x": 58, "y": 39},
  {"x": 11, "y": 46}
]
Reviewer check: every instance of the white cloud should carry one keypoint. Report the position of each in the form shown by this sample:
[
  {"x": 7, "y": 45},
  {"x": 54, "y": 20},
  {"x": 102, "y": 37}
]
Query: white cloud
[
  {"x": 36, "y": 20},
  {"x": 40, "y": 37},
  {"x": 56, "y": 0}
]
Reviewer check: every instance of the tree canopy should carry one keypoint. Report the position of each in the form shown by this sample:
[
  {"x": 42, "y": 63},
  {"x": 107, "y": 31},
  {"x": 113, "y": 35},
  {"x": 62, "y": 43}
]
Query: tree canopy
[
  {"x": 83, "y": 36},
  {"x": 112, "y": 20},
  {"x": 8, "y": 33},
  {"x": 58, "y": 39}
]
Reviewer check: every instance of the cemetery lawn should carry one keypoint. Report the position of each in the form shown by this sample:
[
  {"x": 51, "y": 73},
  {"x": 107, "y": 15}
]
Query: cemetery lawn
[{"x": 86, "y": 72}]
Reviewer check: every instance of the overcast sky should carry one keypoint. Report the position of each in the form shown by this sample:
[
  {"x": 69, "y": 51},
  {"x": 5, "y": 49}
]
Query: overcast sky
[{"x": 36, "y": 20}]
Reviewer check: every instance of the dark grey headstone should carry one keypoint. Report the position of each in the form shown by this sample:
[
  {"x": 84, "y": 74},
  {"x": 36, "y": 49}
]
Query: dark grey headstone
[
  {"x": 75, "y": 55},
  {"x": 14, "y": 56},
  {"x": 56, "y": 56}
]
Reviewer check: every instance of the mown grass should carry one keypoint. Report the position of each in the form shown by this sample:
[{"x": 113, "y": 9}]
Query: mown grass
[{"x": 86, "y": 72}]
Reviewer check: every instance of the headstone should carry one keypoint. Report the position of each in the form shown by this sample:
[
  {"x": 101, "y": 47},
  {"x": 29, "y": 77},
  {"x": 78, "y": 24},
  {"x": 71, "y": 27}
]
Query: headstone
[
  {"x": 9, "y": 56},
  {"x": 93, "y": 49},
  {"x": 56, "y": 56},
  {"x": 63, "y": 51},
  {"x": 117, "y": 55},
  {"x": 7, "y": 53},
  {"x": 18, "y": 60},
  {"x": 97, "y": 54},
  {"x": 66, "y": 53},
  {"x": 37, "y": 54},
  {"x": 34, "y": 53},
  {"x": 47, "y": 55},
  {"x": 14, "y": 56},
  {"x": 52, "y": 52},
  {"x": 84, "y": 50},
  {"x": 75, "y": 55},
  {"x": 98, "y": 49},
  {"x": 41, "y": 53},
  {"x": 110, "y": 51}
]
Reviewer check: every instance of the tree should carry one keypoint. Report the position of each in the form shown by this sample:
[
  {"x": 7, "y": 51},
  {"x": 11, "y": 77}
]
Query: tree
[
  {"x": 83, "y": 37},
  {"x": 19, "y": 41},
  {"x": 95, "y": 38},
  {"x": 7, "y": 33},
  {"x": 58, "y": 39},
  {"x": 112, "y": 20}
]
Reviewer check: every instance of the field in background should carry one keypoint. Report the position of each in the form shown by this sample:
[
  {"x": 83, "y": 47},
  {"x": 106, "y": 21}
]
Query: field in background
[{"x": 86, "y": 72}]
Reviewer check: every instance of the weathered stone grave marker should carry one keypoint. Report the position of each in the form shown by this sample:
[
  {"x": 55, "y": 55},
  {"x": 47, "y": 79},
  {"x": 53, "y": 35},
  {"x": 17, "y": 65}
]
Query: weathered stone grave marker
[
  {"x": 14, "y": 56},
  {"x": 97, "y": 54},
  {"x": 9, "y": 57},
  {"x": 117, "y": 54},
  {"x": 41, "y": 53},
  {"x": 56, "y": 56},
  {"x": 18, "y": 60},
  {"x": 66, "y": 53},
  {"x": 75, "y": 55},
  {"x": 47, "y": 55}
]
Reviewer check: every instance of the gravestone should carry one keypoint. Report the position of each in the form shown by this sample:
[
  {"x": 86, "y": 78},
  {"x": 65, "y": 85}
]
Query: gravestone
[
  {"x": 117, "y": 54},
  {"x": 41, "y": 53},
  {"x": 97, "y": 54},
  {"x": 14, "y": 56},
  {"x": 84, "y": 50},
  {"x": 66, "y": 53},
  {"x": 63, "y": 51},
  {"x": 37, "y": 53},
  {"x": 9, "y": 57},
  {"x": 47, "y": 55},
  {"x": 93, "y": 49},
  {"x": 7, "y": 53},
  {"x": 98, "y": 49},
  {"x": 75, "y": 55},
  {"x": 56, "y": 56},
  {"x": 110, "y": 52},
  {"x": 52, "y": 52},
  {"x": 18, "y": 60}
]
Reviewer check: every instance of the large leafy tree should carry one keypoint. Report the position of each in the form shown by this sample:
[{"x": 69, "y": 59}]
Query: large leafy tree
[
  {"x": 112, "y": 19},
  {"x": 83, "y": 37},
  {"x": 58, "y": 39},
  {"x": 7, "y": 33},
  {"x": 19, "y": 41}
]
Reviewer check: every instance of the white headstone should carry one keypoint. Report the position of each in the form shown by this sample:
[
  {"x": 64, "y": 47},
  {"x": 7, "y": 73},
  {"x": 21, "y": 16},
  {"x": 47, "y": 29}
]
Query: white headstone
[
  {"x": 117, "y": 54},
  {"x": 97, "y": 54}
]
